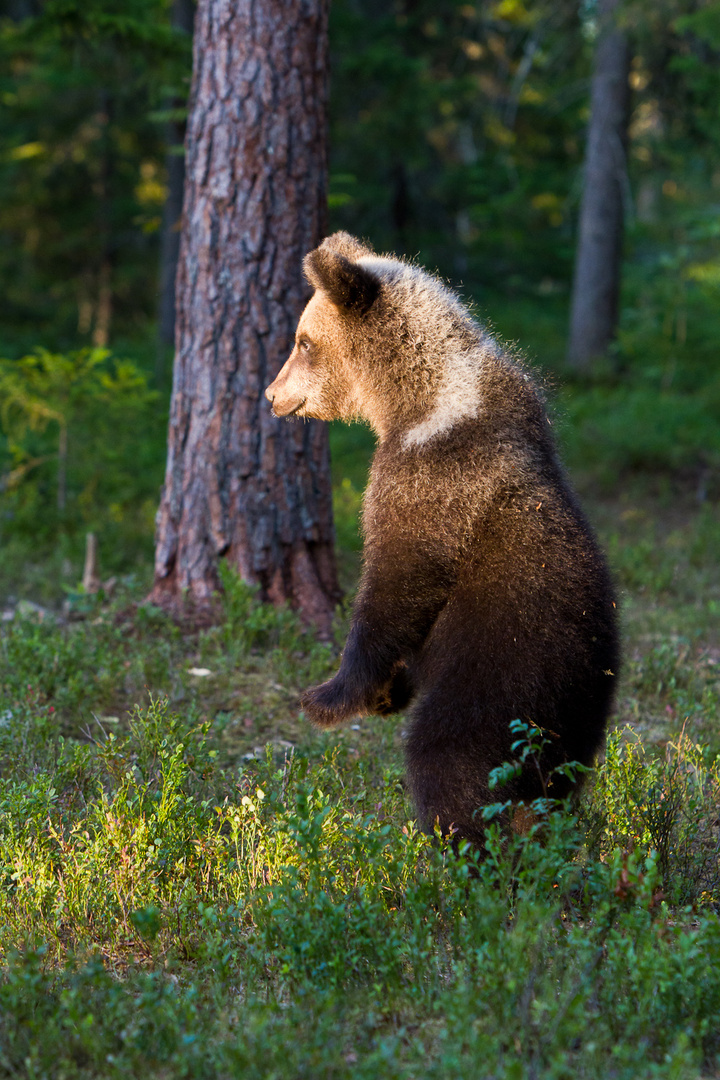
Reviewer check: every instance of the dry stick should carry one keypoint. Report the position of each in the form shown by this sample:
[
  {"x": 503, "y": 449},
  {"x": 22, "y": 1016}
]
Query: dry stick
[{"x": 91, "y": 577}]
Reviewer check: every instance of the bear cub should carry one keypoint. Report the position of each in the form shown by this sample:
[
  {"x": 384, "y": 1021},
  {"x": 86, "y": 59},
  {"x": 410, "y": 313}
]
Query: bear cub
[{"x": 484, "y": 597}]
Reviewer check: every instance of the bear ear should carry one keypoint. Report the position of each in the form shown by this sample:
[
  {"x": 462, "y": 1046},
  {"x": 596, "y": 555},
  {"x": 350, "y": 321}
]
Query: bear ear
[
  {"x": 346, "y": 284},
  {"x": 345, "y": 244}
]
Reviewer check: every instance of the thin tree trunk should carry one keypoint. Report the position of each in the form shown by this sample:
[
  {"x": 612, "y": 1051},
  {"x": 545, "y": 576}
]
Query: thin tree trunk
[
  {"x": 91, "y": 574},
  {"x": 240, "y": 484},
  {"x": 103, "y": 310},
  {"x": 62, "y": 468},
  {"x": 182, "y": 15},
  {"x": 596, "y": 285},
  {"x": 104, "y": 182}
]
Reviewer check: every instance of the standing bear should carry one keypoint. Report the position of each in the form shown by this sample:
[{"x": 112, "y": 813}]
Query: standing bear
[{"x": 484, "y": 597}]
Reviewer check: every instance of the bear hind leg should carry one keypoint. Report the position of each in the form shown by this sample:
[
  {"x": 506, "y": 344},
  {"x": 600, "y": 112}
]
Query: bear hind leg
[{"x": 447, "y": 791}]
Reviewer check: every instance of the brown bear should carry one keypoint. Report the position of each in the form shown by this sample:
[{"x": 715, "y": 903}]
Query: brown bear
[{"x": 484, "y": 597}]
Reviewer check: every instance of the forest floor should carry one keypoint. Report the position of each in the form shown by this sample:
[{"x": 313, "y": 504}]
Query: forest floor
[{"x": 197, "y": 883}]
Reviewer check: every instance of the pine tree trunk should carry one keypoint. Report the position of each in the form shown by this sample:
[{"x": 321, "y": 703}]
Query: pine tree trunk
[
  {"x": 596, "y": 285},
  {"x": 241, "y": 485}
]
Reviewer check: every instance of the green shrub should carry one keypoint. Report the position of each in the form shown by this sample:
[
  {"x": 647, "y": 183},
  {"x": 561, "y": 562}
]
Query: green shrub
[
  {"x": 81, "y": 449},
  {"x": 665, "y": 805}
]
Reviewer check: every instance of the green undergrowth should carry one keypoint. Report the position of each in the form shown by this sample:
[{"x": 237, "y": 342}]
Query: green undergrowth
[
  {"x": 81, "y": 678},
  {"x": 162, "y": 916},
  {"x": 194, "y": 883}
]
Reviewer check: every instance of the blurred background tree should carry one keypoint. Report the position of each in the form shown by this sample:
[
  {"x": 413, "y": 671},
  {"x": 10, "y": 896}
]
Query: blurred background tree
[
  {"x": 606, "y": 197},
  {"x": 458, "y": 135}
]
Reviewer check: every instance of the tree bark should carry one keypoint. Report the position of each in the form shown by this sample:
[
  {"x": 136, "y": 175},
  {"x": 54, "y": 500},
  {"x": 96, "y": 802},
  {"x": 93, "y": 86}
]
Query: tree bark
[
  {"x": 182, "y": 15},
  {"x": 596, "y": 285},
  {"x": 241, "y": 485}
]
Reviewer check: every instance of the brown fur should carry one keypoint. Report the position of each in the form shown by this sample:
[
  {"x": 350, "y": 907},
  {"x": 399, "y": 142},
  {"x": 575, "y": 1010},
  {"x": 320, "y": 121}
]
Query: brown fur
[{"x": 484, "y": 596}]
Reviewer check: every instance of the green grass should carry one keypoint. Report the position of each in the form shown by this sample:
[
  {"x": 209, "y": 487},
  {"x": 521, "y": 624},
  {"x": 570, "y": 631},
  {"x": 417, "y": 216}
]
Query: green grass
[
  {"x": 163, "y": 915},
  {"x": 195, "y": 883}
]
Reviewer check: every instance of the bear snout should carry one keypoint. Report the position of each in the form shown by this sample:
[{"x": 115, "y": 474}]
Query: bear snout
[
  {"x": 286, "y": 393},
  {"x": 284, "y": 405}
]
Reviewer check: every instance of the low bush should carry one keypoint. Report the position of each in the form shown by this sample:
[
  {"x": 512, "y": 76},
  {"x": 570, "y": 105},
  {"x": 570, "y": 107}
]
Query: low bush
[{"x": 160, "y": 915}]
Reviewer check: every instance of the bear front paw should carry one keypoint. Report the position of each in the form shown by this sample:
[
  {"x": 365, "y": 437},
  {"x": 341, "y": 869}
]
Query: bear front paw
[{"x": 326, "y": 705}]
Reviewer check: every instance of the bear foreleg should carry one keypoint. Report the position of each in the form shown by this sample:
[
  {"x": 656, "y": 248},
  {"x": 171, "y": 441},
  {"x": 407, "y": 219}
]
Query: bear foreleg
[
  {"x": 397, "y": 604},
  {"x": 366, "y": 684}
]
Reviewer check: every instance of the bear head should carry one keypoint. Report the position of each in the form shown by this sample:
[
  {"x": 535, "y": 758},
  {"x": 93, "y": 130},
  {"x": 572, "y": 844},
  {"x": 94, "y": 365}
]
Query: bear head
[
  {"x": 317, "y": 380},
  {"x": 375, "y": 342}
]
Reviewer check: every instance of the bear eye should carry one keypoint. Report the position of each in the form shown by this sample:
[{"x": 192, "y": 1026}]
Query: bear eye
[{"x": 304, "y": 344}]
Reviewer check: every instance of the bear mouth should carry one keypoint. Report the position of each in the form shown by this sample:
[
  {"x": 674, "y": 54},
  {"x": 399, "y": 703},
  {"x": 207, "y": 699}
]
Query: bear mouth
[
  {"x": 287, "y": 415},
  {"x": 296, "y": 410}
]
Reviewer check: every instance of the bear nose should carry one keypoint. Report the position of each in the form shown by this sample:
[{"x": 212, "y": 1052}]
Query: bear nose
[{"x": 269, "y": 395}]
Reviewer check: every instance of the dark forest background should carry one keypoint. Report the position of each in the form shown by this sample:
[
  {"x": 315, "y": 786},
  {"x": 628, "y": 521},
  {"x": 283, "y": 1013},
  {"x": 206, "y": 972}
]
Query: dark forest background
[{"x": 457, "y": 137}]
